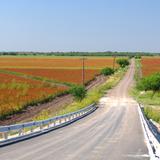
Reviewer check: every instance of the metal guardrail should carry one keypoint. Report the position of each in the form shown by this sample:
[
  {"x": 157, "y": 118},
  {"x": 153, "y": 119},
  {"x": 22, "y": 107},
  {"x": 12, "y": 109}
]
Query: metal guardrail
[
  {"x": 152, "y": 135},
  {"x": 13, "y": 133}
]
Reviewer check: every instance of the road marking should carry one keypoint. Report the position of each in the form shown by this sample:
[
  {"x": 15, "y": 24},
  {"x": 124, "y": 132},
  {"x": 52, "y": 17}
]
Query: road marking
[{"x": 137, "y": 156}]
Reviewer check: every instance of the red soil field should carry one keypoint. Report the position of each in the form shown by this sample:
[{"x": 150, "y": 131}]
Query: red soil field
[
  {"x": 150, "y": 65},
  {"x": 16, "y": 92},
  {"x": 37, "y": 62},
  {"x": 62, "y": 75}
]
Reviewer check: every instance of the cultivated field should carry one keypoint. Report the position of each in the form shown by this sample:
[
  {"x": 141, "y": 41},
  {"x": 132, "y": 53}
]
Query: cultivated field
[
  {"x": 59, "y": 69},
  {"x": 150, "y": 65},
  {"x": 61, "y": 75},
  {"x": 19, "y": 91},
  {"x": 50, "y": 63}
]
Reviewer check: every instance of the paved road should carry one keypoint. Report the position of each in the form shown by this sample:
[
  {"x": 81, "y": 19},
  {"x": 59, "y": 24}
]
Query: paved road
[{"x": 113, "y": 132}]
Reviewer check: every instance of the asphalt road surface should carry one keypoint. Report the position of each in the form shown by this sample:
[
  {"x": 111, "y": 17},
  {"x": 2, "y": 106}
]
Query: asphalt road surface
[{"x": 112, "y": 132}]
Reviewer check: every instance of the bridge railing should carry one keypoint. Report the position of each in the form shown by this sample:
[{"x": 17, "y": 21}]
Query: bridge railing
[
  {"x": 12, "y": 133},
  {"x": 152, "y": 133}
]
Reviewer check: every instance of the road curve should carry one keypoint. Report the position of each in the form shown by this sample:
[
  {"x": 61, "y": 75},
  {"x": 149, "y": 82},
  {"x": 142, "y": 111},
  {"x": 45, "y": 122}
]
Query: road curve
[{"x": 112, "y": 132}]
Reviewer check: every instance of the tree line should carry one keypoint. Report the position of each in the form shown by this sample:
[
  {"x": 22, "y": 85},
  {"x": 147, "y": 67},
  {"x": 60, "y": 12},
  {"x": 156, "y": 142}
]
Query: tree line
[{"x": 107, "y": 53}]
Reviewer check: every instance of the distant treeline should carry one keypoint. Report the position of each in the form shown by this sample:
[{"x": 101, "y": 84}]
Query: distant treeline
[{"x": 79, "y": 53}]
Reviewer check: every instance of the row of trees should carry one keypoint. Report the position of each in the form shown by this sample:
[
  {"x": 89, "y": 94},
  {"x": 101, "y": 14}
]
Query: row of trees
[{"x": 107, "y": 53}]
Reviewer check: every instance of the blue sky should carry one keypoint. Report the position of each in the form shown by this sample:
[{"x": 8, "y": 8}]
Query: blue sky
[{"x": 80, "y": 25}]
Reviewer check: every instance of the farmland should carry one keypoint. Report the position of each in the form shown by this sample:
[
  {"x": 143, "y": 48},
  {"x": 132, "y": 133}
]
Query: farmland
[
  {"x": 150, "y": 65},
  {"x": 61, "y": 75},
  {"x": 50, "y": 63},
  {"x": 17, "y": 92},
  {"x": 58, "y": 69}
]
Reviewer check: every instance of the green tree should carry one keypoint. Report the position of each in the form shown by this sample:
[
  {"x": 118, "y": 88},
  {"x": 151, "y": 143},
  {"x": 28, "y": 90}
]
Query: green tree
[
  {"x": 107, "y": 71},
  {"x": 150, "y": 83},
  {"x": 138, "y": 57},
  {"x": 79, "y": 92},
  {"x": 123, "y": 62}
]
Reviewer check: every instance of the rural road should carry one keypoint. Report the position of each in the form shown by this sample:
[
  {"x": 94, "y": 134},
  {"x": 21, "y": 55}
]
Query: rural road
[{"x": 112, "y": 132}]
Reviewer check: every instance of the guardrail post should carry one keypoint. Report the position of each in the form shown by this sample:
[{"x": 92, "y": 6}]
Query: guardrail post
[
  {"x": 5, "y": 135},
  {"x": 60, "y": 121},
  {"x": 21, "y": 132},
  {"x": 54, "y": 122},
  {"x": 31, "y": 129},
  {"x": 48, "y": 125},
  {"x": 41, "y": 126}
]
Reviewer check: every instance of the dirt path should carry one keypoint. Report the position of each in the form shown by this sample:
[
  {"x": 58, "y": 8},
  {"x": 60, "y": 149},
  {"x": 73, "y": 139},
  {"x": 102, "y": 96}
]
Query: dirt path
[{"x": 54, "y": 106}]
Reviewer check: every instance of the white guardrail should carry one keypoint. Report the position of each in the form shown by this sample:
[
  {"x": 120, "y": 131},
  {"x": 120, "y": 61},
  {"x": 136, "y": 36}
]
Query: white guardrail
[
  {"x": 152, "y": 135},
  {"x": 13, "y": 133}
]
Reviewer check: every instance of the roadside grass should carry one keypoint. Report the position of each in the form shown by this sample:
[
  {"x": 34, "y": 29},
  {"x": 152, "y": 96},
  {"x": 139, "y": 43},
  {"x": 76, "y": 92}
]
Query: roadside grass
[
  {"x": 93, "y": 96},
  {"x": 138, "y": 66},
  {"x": 146, "y": 98},
  {"x": 153, "y": 113},
  {"x": 151, "y": 103}
]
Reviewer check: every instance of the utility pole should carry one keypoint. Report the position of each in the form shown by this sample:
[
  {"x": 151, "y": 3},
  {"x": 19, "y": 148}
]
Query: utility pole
[
  {"x": 114, "y": 60},
  {"x": 83, "y": 70}
]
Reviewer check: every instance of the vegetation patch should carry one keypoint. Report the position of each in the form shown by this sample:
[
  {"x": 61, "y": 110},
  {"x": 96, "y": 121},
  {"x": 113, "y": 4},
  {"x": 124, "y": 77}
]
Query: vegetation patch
[
  {"x": 123, "y": 62},
  {"x": 153, "y": 113},
  {"x": 107, "y": 71},
  {"x": 147, "y": 92},
  {"x": 79, "y": 92}
]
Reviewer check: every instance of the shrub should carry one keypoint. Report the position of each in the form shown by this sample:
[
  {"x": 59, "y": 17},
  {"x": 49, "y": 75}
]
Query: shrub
[
  {"x": 131, "y": 56},
  {"x": 79, "y": 92},
  {"x": 151, "y": 82},
  {"x": 107, "y": 71},
  {"x": 123, "y": 62},
  {"x": 137, "y": 57}
]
